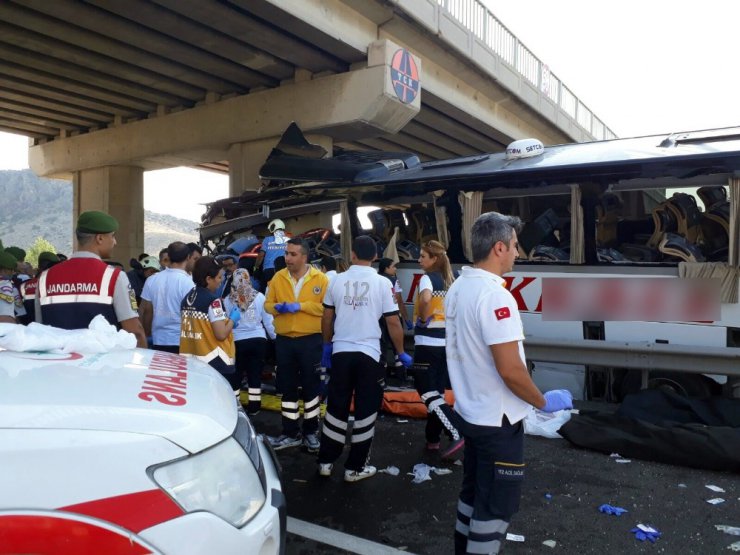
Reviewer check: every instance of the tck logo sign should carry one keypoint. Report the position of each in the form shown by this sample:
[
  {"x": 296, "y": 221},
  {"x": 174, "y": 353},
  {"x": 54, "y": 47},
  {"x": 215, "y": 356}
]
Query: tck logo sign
[{"x": 404, "y": 76}]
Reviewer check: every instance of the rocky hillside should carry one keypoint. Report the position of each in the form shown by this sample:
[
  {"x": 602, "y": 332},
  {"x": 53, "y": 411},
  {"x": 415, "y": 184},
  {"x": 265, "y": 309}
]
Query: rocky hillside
[{"x": 37, "y": 207}]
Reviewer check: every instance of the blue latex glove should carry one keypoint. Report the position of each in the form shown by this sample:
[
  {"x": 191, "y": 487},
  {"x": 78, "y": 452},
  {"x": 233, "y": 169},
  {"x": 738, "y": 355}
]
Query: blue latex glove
[
  {"x": 280, "y": 307},
  {"x": 326, "y": 355},
  {"x": 323, "y": 384},
  {"x": 235, "y": 315},
  {"x": 649, "y": 533},
  {"x": 610, "y": 510},
  {"x": 292, "y": 307},
  {"x": 423, "y": 323},
  {"x": 409, "y": 325},
  {"x": 557, "y": 399},
  {"x": 405, "y": 359}
]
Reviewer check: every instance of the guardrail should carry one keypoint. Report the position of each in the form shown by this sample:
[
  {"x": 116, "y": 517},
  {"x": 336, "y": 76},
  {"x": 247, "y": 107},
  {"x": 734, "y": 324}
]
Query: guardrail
[
  {"x": 641, "y": 355},
  {"x": 479, "y": 20}
]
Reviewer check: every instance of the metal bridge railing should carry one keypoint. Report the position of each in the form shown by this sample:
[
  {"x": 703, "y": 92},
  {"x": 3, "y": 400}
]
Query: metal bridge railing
[{"x": 478, "y": 19}]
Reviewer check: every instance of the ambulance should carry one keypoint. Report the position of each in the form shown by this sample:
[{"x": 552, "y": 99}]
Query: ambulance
[
  {"x": 625, "y": 241},
  {"x": 131, "y": 452}
]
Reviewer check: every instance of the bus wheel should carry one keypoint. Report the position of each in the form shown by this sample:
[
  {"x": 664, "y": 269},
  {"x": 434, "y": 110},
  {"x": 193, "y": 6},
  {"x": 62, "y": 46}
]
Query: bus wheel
[{"x": 686, "y": 385}]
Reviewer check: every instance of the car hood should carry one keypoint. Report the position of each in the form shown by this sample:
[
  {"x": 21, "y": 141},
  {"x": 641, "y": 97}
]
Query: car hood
[{"x": 139, "y": 391}]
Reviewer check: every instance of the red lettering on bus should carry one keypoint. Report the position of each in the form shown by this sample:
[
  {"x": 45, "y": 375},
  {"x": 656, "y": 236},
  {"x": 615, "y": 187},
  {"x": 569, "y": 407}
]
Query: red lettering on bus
[{"x": 516, "y": 291}]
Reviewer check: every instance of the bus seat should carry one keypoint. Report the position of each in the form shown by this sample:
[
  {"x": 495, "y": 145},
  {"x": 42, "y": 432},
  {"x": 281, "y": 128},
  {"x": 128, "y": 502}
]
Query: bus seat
[
  {"x": 544, "y": 253},
  {"x": 407, "y": 250},
  {"x": 426, "y": 225},
  {"x": 535, "y": 232},
  {"x": 664, "y": 221},
  {"x": 715, "y": 227},
  {"x": 673, "y": 244},
  {"x": 329, "y": 247},
  {"x": 688, "y": 216},
  {"x": 711, "y": 195},
  {"x": 378, "y": 221},
  {"x": 610, "y": 255}
]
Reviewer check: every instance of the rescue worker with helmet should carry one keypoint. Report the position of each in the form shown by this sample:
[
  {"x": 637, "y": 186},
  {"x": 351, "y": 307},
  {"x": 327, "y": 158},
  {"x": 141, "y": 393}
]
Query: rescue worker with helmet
[
  {"x": 272, "y": 248},
  {"x": 71, "y": 293}
]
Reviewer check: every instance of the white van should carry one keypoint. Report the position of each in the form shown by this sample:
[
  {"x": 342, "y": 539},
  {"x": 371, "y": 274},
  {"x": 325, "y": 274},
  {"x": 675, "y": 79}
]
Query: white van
[{"x": 129, "y": 452}]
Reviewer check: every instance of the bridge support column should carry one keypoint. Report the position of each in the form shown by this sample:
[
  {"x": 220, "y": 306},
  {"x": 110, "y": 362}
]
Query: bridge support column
[
  {"x": 119, "y": 191},
  {"x": 245, "y": 160}
]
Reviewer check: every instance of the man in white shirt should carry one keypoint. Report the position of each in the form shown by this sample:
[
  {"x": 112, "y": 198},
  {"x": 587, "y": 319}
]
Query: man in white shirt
[
  {"x": 353, "y": 306},
  {"x": 162, "y": 297},
  {"x": 493, "y": 389},
  {"x": 329, "y": 267}
]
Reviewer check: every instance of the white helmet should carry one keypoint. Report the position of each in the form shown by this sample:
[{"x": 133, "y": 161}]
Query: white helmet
[{"x": 276, "y": 224}]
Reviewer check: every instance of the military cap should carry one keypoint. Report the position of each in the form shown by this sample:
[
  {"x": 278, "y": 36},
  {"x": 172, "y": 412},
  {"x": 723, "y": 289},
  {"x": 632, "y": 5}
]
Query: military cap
[
  {"x": 7, "y": 260},
  {"x": 94, "y": 221},
  {"x": 47, "y": 256},
  {"x": 17, "y": 252}
]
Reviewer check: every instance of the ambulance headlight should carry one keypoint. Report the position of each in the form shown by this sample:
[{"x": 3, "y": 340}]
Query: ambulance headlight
[{"x": 221, "y": 480}]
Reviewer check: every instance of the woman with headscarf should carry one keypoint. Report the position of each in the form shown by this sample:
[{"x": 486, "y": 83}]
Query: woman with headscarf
[{"x": 250, "y": 335}]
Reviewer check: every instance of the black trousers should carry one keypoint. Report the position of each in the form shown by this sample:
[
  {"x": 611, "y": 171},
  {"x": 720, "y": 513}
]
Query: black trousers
[
  {"x": 298, "y": 360},
  {"x": 493, "y": 470},
  {"x": 359, "y": 375},
  {"x": 431, "y": 379},
  {"x": 250, "y": 360}
]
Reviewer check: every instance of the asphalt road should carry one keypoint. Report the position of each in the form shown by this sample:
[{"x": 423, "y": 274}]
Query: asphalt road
[{"x": 420, "y": 518}]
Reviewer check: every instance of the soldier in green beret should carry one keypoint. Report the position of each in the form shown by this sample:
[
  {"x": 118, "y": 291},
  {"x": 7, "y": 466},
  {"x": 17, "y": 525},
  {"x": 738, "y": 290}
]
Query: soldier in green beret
[{"x": 71, "y": 293}]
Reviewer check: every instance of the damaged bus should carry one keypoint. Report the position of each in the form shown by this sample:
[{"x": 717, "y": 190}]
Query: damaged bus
[{"x": 630, "y": 242}]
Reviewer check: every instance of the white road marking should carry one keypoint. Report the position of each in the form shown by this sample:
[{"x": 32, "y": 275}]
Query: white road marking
[{"x": 350, "y": 543}]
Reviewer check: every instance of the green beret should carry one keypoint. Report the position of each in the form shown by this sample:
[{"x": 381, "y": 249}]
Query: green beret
[
  {"x": 47, "y": 256},
  {"x": 96, "y": 222},
  {"x": 17, "y": 252},
  {"x": 7, "y": 261}
]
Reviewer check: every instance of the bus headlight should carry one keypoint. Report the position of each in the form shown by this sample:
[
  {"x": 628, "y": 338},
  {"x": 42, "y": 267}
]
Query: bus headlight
[{"x": 221, "y": 480}]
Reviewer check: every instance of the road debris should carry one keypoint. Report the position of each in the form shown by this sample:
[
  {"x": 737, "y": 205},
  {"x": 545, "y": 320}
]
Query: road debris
[
  {"x": 715, "y": 501},
  {"x": 610, "y": 510},
  {"x": 392, "y": 470},
  {"x": 732, "y": 530},
  {"x": 514, "y": 537},
  {"x": 550, "y": 543},
  {"x": 715, "y": 488},
  {"x": 644, "y": 532}
]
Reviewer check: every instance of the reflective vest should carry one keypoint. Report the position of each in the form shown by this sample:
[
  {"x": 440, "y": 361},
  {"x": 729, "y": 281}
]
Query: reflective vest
[
  {"x": 72, "y": 293},
  {"x": 436, "y": 327},
  {"x": 28, "y": 295}
]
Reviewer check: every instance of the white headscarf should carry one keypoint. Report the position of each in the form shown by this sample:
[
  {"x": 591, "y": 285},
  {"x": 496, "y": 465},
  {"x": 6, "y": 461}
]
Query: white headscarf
[{"x": 242, "y": 293}]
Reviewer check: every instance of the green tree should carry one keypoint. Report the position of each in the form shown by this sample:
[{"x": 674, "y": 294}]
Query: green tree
[{"x": 39, "y": 245}]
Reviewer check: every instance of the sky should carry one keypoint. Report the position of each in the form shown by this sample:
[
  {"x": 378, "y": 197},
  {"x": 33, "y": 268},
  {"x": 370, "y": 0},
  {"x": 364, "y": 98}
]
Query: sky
[{"x": 643, "y": 67}]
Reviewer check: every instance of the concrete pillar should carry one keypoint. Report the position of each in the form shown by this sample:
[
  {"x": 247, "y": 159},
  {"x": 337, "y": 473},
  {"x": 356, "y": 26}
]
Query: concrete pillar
[
  {"x": 119, "y": 191},
  {"x": 245, "y": 160}
]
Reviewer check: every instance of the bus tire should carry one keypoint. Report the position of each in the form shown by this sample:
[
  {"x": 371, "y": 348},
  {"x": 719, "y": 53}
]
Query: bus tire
[{"x": 686, "y": 385}]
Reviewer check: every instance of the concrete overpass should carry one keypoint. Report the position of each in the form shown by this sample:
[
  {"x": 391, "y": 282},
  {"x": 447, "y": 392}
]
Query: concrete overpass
[{"x": 108, "y": 89}]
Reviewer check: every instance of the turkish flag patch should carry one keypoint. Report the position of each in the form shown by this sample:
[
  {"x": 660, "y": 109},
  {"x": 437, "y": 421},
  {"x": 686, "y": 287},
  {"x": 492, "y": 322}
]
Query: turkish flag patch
[{"x": 502, "y": 313}]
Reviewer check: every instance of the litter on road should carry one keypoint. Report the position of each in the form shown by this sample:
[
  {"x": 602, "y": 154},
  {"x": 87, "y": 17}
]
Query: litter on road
[
  {"x": 392, "y": 470},
  {"x": 732, "y": 530},
  {"x": 610, "y": 510},
  {"x": 514, "y": 537},
  {"x": 550, "y": 543},
  {"x": 715, "y": 501},
  {"x": 714, "y": 488},
  {"x": 644, "y": 532},
  {"x": 421, "y": 472}
]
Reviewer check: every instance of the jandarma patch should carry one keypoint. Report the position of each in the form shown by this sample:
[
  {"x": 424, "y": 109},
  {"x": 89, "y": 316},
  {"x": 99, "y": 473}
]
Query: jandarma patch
[{"x": 316, "y": 290}]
